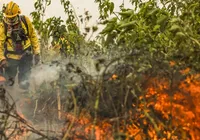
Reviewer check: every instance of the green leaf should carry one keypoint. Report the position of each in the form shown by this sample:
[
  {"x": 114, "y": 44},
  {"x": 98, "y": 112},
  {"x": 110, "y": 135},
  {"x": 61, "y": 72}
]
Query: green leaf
[
  {"x": 127, "y": 25},
  {"x": 153, "y": 12},
  {"x": 175, "y": 28},
  {"x": 180, "y": 35},
  {"x": 108, "y": 28},
  {"x": 126, "y": 13},
  {"x": 114, "y": 19},
  {"x": 94, "y": 28},
  {"x": 111, "y": 7},
  {"x": 174, "y": 20},
  {"x": 162, "y": 19},
  {"x": 156, "y": 28}
]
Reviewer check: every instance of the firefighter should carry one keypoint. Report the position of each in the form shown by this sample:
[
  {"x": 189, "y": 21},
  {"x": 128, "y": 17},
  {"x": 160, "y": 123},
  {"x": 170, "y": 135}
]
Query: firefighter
[
  {"x": 19, "y": 45},
  {"x": 60, "y": 43},
  {"x": 63, "y": 46}
]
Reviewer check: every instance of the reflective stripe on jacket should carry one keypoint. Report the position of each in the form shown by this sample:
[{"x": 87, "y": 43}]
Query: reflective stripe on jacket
[{"x": 31, "y": 41}]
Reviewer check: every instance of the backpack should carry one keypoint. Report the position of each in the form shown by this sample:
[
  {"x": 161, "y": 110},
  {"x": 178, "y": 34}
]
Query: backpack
[{"x": 23, "y": 19}]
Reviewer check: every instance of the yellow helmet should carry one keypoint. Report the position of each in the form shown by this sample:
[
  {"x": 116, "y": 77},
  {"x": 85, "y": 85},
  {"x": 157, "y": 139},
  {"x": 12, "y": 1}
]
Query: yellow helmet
[{"x": 11, "y": 10}]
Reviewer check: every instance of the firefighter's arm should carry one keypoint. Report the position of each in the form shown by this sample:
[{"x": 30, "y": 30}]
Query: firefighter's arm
[
  {"x": 33, "y": 37},
  {"x": 2, "y": 41}
]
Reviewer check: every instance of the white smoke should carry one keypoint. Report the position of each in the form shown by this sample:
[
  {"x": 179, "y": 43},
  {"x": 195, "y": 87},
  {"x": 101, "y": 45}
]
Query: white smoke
[{"x": 44, "y": 73}]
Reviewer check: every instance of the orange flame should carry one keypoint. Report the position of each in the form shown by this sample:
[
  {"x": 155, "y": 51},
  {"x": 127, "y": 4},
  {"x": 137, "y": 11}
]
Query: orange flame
[{"x": 182, "y": 105}]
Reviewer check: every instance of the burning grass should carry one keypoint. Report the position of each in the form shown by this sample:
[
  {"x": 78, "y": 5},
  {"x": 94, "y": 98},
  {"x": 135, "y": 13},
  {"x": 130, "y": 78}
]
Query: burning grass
[
  {"x": 164, "y": 110},
  {"x": 170, "y": 111},
  {"x": 117, "y": 107}
]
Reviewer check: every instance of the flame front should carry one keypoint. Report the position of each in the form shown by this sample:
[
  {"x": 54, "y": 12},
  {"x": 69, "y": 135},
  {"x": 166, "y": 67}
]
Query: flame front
[{"x": 166, "y": 111}]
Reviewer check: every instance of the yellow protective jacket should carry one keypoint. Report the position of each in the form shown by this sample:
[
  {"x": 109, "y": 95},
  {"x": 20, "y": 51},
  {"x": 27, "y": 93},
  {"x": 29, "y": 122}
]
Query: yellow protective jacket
[{"x": 31, "y": 41}]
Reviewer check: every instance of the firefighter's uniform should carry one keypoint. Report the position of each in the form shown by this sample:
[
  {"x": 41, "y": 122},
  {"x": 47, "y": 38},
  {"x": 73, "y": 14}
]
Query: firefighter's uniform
[{"x": 18, "y": 43}]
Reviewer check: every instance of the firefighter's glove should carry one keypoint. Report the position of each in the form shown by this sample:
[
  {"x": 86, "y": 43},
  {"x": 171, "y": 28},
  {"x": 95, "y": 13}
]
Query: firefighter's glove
[
  {"x": 3, "y": 63},
  {"x": 37, "y": 59}
]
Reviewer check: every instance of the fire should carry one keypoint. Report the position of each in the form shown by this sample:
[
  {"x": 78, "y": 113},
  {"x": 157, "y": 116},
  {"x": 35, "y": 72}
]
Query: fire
[
  {"x": 167, "y": 110},
  {"x": 178, "y": 106},
  {"x": 113, "y": 77},
  {"x": 19, "y": 131},
  {"x": 83, "y": 128}
]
